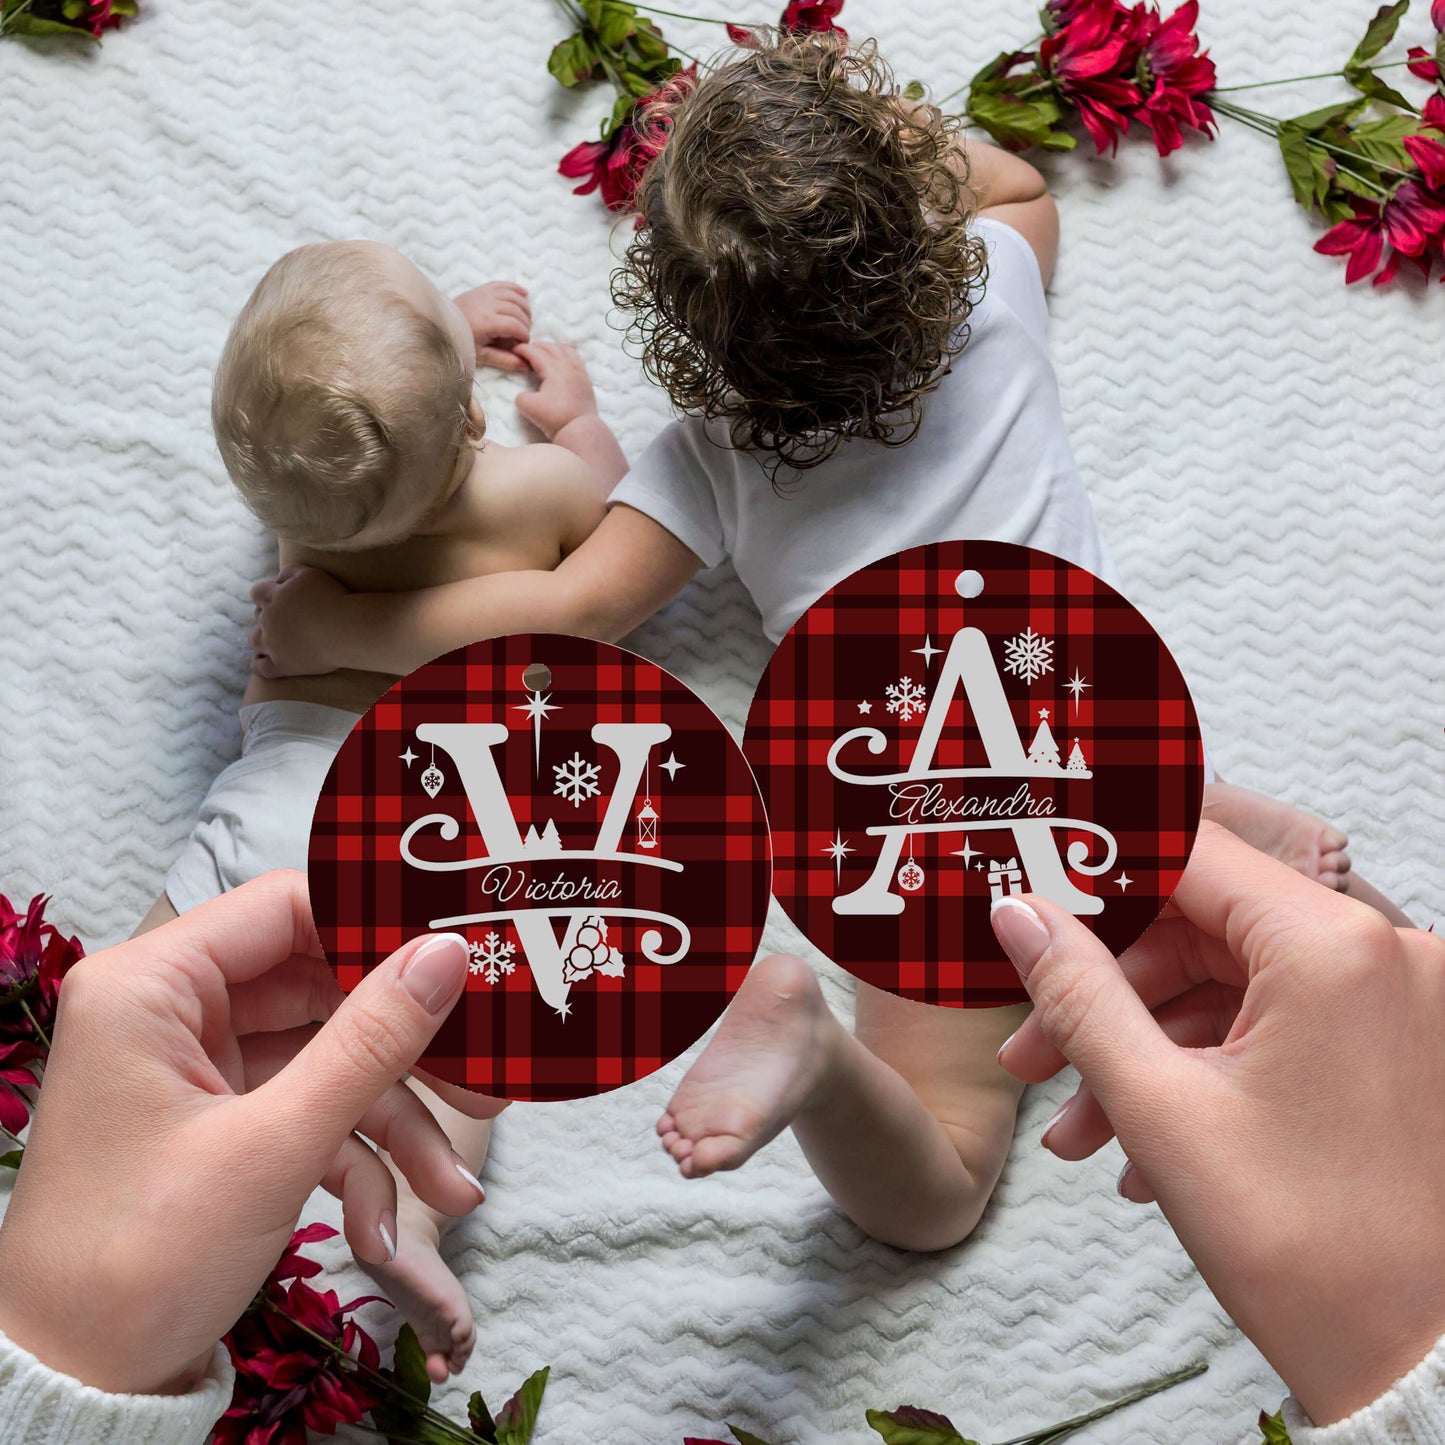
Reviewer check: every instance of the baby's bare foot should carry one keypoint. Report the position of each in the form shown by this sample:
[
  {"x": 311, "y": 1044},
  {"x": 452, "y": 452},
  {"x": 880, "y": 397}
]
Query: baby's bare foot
[
  {"x": 757, "y": 1073},
  {"x": 422, "y": 1286},
  {"x": 1308, "y": 844}
]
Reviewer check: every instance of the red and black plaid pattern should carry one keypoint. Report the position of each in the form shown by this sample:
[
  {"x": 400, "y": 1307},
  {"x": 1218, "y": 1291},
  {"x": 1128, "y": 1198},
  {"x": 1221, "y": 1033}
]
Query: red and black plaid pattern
[
  {"x": 1135, "y": 723},
  {"x": 503, "y": 1039}
]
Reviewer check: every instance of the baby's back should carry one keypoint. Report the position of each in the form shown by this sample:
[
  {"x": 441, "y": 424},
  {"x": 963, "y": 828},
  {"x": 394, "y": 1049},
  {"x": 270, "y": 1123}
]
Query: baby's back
[{"x": 520, "y": 509}]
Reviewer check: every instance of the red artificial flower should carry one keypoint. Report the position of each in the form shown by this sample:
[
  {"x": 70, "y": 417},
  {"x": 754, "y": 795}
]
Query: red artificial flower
[
  {"x": 812, "y": 17},
  {"x": 1422, "y": 62},
  {"x": 1437, "y": 15},
  {"x": 1180, "y": 73},
  {"x": 1413, "y": 218},
  {"x": 1433, "y": 114},
  {"x": 741, "y": 35},
  {"x": 1361, "y": 238},
  {"x": 1088, "y": 59},
  {"x": 292, "y": 1351},
  {"x": 1429, "y": 155},
  {"x": 616, "y": 163},
  {"x": 34, "y": 957}
]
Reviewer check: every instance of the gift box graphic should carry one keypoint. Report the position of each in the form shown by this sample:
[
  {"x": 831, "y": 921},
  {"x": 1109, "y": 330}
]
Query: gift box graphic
[{"x": 1005, "y": 878}]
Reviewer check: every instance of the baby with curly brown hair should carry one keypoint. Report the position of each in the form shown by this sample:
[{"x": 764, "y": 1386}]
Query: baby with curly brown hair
[{"x": 846, "y": 303}]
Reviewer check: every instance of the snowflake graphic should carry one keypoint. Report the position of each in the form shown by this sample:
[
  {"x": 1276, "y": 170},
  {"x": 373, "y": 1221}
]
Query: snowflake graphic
[
  {"x": 905, "y": 697},
  {"x": 1028, "y": 655},
  {"x": 576, "y": 780},
  {"x": 492, "y": 958}
]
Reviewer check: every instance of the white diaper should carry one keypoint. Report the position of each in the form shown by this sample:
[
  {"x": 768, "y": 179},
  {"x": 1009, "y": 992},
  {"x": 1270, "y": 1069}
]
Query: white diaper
[{"x": 257, "y": 814}]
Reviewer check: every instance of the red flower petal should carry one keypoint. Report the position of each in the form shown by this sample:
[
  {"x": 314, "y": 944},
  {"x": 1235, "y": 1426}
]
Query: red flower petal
[{"x": 1429, "y": 155}]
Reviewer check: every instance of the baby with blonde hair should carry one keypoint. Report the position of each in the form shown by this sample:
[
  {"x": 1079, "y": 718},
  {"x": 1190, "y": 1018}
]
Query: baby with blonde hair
[{"x": 344, "y": 413}]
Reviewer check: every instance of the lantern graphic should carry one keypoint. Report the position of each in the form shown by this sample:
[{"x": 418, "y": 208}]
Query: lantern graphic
[
  {"x": 647, "y": 816},
  {"x": 647, "y": 825}
]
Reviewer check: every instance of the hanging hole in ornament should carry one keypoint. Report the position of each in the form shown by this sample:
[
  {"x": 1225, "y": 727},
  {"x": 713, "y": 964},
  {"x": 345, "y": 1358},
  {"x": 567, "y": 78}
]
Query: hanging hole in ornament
[
  {"x": 969, "y": 584},
  {"x": 536, "y": 676}
]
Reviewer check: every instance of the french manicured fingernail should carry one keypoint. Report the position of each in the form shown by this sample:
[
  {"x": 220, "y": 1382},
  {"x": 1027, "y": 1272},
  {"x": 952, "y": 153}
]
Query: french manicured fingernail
[
  {"x": 1003, "y": 1047},
  {"x": 1049, "y": 1127},
  {"x": 386, "y": 1228},
  {"x": 430, "y": 975},
  {"x": 1022, "y": 932},
  {"x": 1124, "y": 1174},
  {"x": 469, "y": 1176}
]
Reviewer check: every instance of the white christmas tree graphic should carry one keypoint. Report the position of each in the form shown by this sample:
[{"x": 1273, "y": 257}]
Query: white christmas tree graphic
[
  {"x": 1076, "y": 760},
  {"x": 1044, "y": 751}
]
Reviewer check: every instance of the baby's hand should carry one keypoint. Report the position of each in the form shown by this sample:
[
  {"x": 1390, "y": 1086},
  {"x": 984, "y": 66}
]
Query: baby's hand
[
  {"x": 500, "y": 317},
  {"x": 564, "y": 391},
  {"x": 297, "y": 616}
]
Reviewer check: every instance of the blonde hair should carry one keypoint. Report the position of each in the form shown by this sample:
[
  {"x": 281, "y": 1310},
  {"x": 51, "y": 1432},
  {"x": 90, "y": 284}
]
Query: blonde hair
[{"x": 333, "y": 394}]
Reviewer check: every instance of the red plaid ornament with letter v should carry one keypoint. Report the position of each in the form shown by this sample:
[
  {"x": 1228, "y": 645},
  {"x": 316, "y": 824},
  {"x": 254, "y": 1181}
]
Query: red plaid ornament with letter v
[
  {"x": 960, "y": 723},
  {"x": 585, "y": 821}
]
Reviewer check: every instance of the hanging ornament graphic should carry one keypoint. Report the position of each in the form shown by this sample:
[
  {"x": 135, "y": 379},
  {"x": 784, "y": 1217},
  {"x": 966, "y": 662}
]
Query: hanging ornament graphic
[
  {"x": 960, "y": 793},
  {"x": 910, "y": 875},
  {"x": 433, "y": 779},
  {"x": 599, "y": 950}
]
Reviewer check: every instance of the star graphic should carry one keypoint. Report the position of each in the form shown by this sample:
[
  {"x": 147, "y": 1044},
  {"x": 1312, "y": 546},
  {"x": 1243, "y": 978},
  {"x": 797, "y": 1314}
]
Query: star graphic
[
  {"x": 1076, "y": 685},
  {"x": 563, "y": 1009},
  {"x": 537, "y": 707},
  {"x": 928, "y": 651},
  {"x": 865, "y": 707},
  {"x": 1123, "y": 880},
  {"x": 408, "y": 757},
  {"x": 1043, "y": 714},
  {"x": 978, "y": 867},
  {"x": 968, "y": 852},
  {"x": 838, "y": 850},
  {"x": 671, "y": 766}
]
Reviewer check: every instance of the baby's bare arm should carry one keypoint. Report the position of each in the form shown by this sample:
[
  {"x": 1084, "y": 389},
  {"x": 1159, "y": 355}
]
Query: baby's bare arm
[{"x": 564, "y": 409}]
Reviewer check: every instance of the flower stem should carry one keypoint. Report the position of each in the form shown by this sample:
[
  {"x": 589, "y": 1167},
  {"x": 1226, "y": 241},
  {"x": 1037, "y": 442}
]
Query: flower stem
[
  {"x": 701, "y": 19},
  {"x": 1300, "y": 79},
  {"x": 1268, "y": 125},
  {"x": 35, "y": 1024},
  {"x": 1067, "y": 1427},
  {"x": 387, "y": 1383}
]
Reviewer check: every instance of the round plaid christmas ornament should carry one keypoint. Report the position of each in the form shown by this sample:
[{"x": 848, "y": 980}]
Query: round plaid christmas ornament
[
  {"x": 589, "y": 826},
  {"x": 960, "y": 723}
]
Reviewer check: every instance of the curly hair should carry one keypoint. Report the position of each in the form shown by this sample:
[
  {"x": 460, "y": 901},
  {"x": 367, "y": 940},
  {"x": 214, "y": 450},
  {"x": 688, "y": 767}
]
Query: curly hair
[{"x": 803, "y": 268}]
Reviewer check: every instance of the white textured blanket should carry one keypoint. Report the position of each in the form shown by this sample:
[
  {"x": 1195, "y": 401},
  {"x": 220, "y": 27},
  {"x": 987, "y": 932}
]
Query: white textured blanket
[{"x": 1263, "y": 451}]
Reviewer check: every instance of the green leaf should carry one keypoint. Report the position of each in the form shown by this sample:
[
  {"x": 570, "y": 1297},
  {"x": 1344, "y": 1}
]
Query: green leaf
[
  {"x": 480, "y": 1418},
  {"x": 1273, "y": 1429},
  {"x": 908, "y": 1425},
  {"x": 22, "y": 22},
  {"x": 572, "y": 61},
  {"x": 518, "y": 1417},
  {"x": 11, "y": 1160},
  {"x": 74, "y": 9},
  {"x": 615, "y": 22},
  {"x": 1347, "y": 180},
  {"x": 914, "y": 90},
  {"x": 1294, "y": 146},
  {"x": 1014, "y": 123},
  {"x": 1368, "y": 83},
  {"x": 1380, "y": 33},
  {"x": 1383, "y": 140},
  {"x": 1317, "y": 120},
  {"x": 650, "y": 48},
  {"x": 408, "y": 1367},
  {"x": 745, "y": 1437}
]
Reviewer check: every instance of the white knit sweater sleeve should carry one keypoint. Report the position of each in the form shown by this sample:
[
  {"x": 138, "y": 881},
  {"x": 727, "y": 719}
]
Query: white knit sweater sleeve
[
  {"x": 1412, "y": 1412},
  {"x": 39, "y": 1406}
]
